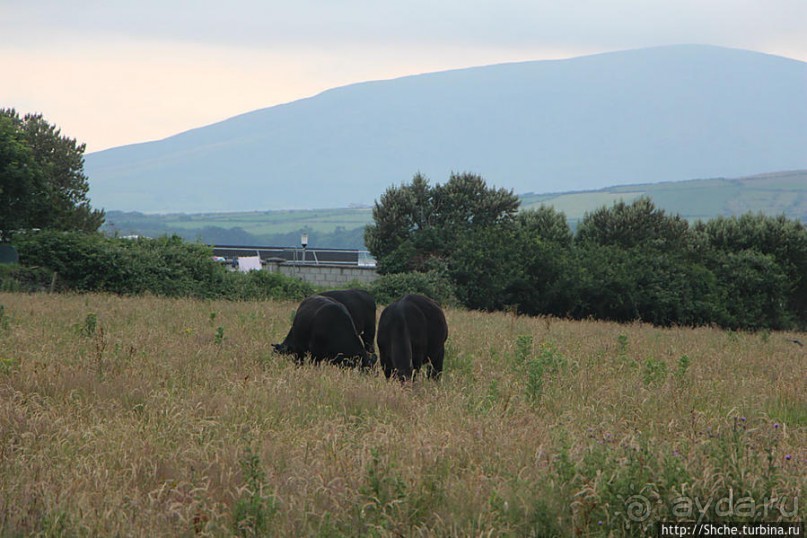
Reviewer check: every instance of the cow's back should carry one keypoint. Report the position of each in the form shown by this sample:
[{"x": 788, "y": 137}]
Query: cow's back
[
  {"x": 437, "y": 327},
  {"x": 402, "y": 339},
  {"x": 412, "y": 333},
  {"x": 362, "y": 308},
  {"x": 324, "y": 328},
  {"x": 304, "y": 320}
]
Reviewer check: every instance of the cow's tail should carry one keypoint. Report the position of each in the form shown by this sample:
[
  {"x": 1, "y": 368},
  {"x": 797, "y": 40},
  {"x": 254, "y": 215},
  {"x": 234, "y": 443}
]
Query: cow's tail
[{"x": 404, "y": 363}]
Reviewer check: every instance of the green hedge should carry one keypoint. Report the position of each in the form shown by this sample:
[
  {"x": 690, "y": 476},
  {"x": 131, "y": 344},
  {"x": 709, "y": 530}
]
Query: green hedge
[
  {"x": 14, "y": 277},
  {"x": 741, "y": 289},
  {"x": 167, "y": 266},
  {"x": 391, "y": 287}
]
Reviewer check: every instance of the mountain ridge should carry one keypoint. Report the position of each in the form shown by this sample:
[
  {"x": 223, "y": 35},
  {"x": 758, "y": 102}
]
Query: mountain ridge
[{"x": 580, "y": 123}]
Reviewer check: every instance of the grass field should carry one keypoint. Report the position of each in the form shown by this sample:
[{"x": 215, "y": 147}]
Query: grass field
[
  {"x": 258, "y": 223},
  {"x": 157, "y": 417}
]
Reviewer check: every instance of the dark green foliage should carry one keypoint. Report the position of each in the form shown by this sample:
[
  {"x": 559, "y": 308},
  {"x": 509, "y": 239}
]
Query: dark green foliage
[
  {"x": 18, "y": 178},
  {"x": 92, "y": 262},
  {"x": 415, "y": 224},
  {"x": 546, "y": 223},
  {"x": 536, "y": 367},
  {"x": 463, "y": 243},
  {"x": 639, "y": 264},
  {"x": 639, "y": 223},
  {"x": 390, "y": 288},
  {"x": 783, "y": 240},
  {"x": 637, "y": 284},
  {"x": 514, "y": 265},
  {"x": 487, "y": 267},
  {"x": 549, "y": 280},
  {"x": 165, "y": 266},
  {"x": 654, "y": 372},
  {"x": 629, "y": 262},
  {"x": 400, "y": 213},
  {"x": 755, "y": 290},
  {"x": 42, "y": 181},
  {"x": 262, "y": 285},
  {"x": 24, "y": 279},
  {"x": 472, "y": 234}
]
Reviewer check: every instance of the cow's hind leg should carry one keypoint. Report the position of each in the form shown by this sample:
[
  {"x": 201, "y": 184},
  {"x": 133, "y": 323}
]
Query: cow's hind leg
[{"x": 436, "y": 357}]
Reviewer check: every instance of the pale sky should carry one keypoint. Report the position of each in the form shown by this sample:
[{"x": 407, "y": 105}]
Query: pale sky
[{"x": 115, "y": 72}]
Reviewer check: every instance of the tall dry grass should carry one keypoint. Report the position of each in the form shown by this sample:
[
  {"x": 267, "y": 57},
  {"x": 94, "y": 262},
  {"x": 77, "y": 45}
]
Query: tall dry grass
[{"x": 162, "y": 417}]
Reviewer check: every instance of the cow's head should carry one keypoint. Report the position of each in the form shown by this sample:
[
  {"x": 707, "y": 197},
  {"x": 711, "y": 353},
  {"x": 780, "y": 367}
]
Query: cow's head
[{"x": 362, "y": 360}]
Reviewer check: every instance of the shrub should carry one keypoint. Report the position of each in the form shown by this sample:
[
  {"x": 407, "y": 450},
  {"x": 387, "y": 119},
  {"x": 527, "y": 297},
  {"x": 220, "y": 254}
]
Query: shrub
[
  {"x": 756, "y": 291},
  {"x": 24, "y": 279},
  {"x": 264, "y": 285},
  {"x": 390, "y": 288},
  {"x": 166, "y": 266}
]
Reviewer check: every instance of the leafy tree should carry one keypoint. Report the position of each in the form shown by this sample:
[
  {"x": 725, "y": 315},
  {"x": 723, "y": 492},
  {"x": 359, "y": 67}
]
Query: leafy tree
[
  {"x": 487, "y": 267},
  {"x": 755, "y": 291},
  {"x": 630, "y": 225},
  {"x": 18, "y": 178},
  {"x": 542, "y": 283},
  {"x": 42, "y": 183},
  {"x": 642, "y": 284},
  {"x": 165, "y": 266},
  {"x": 784, "y": 240},
  {"x": 399, "y": 214},
  {"x": 465, "y": 201},
  {"x": 416, "y": 224},
  {"x": 546, "y": 223}
]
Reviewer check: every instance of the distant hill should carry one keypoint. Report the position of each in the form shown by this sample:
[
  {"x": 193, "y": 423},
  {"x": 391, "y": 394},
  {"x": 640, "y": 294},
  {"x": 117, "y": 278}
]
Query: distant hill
[
  {"x": 772, "y": 194},
  {"x": 781, "y": 193},
  {"x": 649, "y": 115}
]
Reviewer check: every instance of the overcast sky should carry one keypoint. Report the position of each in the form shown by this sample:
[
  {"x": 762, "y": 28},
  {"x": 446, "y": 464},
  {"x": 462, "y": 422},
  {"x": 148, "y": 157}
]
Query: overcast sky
[{"x": 114, "y": 72}]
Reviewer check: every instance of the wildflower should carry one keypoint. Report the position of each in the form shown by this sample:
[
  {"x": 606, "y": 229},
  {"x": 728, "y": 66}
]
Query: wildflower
[
  {"x": 776, "y": 425},
  {"x": 788, "y": 457}
]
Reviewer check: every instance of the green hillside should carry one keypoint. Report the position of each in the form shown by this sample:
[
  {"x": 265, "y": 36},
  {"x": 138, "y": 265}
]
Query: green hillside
[{"x": 773, "y": 194}]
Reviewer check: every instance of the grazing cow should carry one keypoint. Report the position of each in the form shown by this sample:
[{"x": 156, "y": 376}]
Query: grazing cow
[
  {"x": 411, "y": 332},
  {"x": 361, "y": 306},
  {"x": 323, "y": 328}
]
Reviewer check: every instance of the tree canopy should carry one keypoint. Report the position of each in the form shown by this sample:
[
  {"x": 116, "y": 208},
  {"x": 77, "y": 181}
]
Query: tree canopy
[
  {"x": 42, "y": 181},
  {"x": 417, "y": 225},
  {"x": 639, "y": 223},
  {"x": 630, "y": 261}
]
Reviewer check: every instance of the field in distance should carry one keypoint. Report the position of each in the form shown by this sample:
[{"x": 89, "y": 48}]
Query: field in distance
[
  {"x": 773, "y": 194},
  {"x": 253, "y": 222},
  {"x": 172, "y": 417}
]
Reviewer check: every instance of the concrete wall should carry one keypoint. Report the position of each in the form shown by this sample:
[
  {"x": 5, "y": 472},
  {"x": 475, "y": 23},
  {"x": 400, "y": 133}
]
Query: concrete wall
[{"x": 326, "y": 275}]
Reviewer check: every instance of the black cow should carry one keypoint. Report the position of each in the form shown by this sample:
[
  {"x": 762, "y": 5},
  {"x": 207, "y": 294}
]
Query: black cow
[
  {"x": 323, "y": 327},
  {"x": 411, "y": 332},
  {"x": 361, "y": 306}
]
